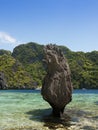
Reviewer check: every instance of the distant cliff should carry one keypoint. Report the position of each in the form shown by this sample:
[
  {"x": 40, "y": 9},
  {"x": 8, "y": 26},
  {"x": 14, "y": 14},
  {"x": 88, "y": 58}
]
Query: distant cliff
[{"x": 23, "y": 68}]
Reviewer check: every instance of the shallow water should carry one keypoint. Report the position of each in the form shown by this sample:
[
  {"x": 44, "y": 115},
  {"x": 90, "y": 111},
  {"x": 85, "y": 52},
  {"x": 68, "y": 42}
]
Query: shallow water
[{"x": 26, "y": 110}]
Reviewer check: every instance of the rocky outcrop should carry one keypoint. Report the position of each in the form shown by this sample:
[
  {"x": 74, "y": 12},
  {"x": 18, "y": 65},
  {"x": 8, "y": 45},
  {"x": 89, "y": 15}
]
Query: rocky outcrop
[
  {"x": 2, "y": 81},
  {"x": 57, "y": 86}
]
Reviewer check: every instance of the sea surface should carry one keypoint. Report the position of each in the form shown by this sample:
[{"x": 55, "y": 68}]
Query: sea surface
[{"x": 26, "y": 110}]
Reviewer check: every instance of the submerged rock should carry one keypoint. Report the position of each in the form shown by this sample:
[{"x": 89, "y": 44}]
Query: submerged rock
[
  {"x": 57, "y": 86},
  {"x": 2, "y": 81}
]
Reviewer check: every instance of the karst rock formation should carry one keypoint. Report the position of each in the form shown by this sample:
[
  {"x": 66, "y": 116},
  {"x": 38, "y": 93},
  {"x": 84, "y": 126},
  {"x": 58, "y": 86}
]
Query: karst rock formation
[
  {"x": 57, "y": 86},
  {"x": 2, "y": 81}
]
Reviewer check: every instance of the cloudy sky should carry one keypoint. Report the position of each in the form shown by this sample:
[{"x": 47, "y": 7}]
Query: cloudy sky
[{"x": 72, "y": 23}]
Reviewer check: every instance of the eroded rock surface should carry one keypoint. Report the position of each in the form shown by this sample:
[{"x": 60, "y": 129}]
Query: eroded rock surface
[
  {"x": 57, "y": 86},
  {"x": 2, "y": 81}
]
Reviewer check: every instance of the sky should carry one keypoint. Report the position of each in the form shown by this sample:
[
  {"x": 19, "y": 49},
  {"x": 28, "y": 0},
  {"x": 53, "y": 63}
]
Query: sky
[{"x": 71, "y": 23}]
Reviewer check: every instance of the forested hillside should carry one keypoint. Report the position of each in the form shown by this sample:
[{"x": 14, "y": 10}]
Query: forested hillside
[
  {"x": 15, "y": 74},
  {"x": 24, "y": 67},
  {"x": 31, "y": 55}
]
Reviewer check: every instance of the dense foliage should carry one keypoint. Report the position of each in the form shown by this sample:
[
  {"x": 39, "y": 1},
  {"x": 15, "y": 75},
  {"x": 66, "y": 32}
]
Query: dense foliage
[
  {"x": 24, "y": 67},
  {"x": 15, "y": 74},
  {"x": 31, "y": 55}
]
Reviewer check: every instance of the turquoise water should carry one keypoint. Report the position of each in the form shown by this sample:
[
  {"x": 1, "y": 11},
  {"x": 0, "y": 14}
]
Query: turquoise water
[{"x": 26, "y": 110}]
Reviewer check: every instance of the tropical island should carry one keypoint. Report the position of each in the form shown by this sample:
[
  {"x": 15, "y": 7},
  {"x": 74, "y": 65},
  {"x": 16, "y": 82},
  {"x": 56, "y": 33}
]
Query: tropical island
[{"x": 24, "y": 69}]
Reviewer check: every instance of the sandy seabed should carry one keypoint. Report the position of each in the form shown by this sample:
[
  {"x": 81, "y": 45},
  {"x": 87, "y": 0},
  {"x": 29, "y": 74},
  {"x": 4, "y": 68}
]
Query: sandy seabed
[{"x": 28, "y": 111}]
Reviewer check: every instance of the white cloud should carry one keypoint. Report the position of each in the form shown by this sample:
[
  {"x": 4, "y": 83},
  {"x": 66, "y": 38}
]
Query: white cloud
[{"x": 6, "y": 38}]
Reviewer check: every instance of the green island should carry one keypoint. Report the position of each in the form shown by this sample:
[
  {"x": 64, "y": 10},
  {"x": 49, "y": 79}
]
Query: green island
[{"x": 24, "y": 68}]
